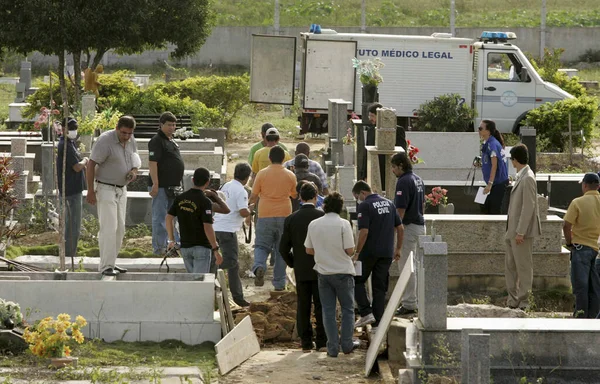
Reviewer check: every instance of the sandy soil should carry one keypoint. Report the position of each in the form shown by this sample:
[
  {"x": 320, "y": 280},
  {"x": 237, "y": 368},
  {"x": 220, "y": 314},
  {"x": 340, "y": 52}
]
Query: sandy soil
[{"x": 291, "y": 366}]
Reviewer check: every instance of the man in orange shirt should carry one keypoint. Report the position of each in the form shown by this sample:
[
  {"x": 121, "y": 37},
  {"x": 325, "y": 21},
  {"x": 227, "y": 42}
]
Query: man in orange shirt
[{"x": 274, "y": 185}]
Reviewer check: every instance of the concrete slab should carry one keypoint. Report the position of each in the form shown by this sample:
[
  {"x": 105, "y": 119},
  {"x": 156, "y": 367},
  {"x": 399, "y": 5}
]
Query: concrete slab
[{"x": 91, "y": 263}]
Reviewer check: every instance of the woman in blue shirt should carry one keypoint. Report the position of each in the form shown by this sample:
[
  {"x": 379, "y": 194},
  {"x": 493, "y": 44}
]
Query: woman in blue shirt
[{"x": 493, "y": 167}]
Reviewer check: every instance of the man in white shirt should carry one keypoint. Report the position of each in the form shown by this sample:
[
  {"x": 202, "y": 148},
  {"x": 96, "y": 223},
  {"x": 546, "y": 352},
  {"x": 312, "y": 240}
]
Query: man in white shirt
[
  {"x": 331, "y": 241},
  {"x": 227, "y": 226}
]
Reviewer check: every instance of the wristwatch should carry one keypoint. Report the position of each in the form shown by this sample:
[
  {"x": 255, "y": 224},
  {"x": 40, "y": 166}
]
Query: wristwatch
[{"x": 215, "y": 249}]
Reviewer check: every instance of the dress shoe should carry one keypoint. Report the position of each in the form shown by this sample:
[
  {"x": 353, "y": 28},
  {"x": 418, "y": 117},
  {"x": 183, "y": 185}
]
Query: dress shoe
[
  {"x": 120, "y": 269},
  {"x": 110, "y": 272},
  {"x": 242, "y": 303},
  {"x": 402, "y": 311}
]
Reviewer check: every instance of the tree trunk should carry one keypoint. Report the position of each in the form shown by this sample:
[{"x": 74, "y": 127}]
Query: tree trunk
[
  {"x": 61, "y": 79},
  {"x": 77, "y": 76},
  {"x": 98, "y": 58}
]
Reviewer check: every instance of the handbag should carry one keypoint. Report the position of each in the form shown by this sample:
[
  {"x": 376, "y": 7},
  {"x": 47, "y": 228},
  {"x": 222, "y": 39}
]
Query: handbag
[
  {"x": 174, "y": 191},
  {"x": 470, "y": 189}
]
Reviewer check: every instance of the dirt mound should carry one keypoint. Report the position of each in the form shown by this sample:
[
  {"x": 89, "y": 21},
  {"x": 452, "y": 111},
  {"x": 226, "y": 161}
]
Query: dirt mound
[{"x": 274, "y": 320}]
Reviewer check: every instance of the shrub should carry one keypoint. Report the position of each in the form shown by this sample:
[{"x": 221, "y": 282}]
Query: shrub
[
  {"x": 155, "y": 101},
  {"x": 445, "y": 113},
  {"x": 227, "y": 94},
  {"x": 552, "y": 119},
  {"x": 115, "y": 85},
  {"x": 41, "y": 98},
  {"x": 547, "y": 68}
]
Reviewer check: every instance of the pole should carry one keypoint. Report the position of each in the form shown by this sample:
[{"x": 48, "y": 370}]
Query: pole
[
  {"x": 63, "y": 205},
  {"x": 452, "y": 18},
  {"x": 570, "y": 142},
  {"x": 276, "y": 18},
  {"x": 543, "y": 29},
  {"x": 363, "y": 16}
]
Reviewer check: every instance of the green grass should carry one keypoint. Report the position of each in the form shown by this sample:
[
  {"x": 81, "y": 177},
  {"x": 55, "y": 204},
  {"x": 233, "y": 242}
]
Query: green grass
[
  {"x": 7, "y": 96},
  {"x": 385, "y": 13},
  {"x": 248, "y": 122}
]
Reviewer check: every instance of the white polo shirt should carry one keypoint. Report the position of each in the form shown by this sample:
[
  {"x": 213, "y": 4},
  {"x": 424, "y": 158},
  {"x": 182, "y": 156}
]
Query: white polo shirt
[
  {"x": 329, "y": 236},
  {"x": 237, "y": 199}
]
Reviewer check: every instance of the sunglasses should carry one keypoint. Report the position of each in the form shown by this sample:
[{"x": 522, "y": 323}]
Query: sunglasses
[{"x": 480, "y": 128}]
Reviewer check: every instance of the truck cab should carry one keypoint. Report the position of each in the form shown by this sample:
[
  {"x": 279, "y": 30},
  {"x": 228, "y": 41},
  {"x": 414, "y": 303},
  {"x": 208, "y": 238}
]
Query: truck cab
[{"x": 506, "y": 86}]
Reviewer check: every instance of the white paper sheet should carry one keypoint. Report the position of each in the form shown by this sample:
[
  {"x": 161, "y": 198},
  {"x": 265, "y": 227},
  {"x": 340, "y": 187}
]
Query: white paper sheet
[
  {"x": 480, "y": 197},
  {"x": 358, "y": 267}
]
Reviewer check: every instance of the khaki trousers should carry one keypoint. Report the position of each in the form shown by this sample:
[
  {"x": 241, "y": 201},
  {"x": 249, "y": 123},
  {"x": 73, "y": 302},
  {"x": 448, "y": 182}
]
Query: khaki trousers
[
  {"x": 111, "y": 203},
  {"x": 518, "y": 272}
]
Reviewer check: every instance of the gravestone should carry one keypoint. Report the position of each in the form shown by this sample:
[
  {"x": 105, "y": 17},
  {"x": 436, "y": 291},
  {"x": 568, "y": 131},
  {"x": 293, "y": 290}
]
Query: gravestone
[
  {"x": 18, "y": 147},
  {"x": 385, "y": 134},
  {"x": 88, "y": 106},
  {"x": 25, "y": 74},
  {"x": 432, "y": 283},
  {"x": 12, "y": 341},
  {"x": 464, "y": 353},
  {"x": 478, "y": 362},
  {"x": 47, "y": 168},
  {"x": 346, "y": 180}
]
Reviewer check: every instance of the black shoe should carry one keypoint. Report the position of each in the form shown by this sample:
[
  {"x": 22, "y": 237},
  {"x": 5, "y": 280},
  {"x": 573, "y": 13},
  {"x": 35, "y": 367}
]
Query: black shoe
[
  {"x": 259, "y": 279},
  {"x": 110, "y": 272},
  {"x": 242, "y": 303},
  {"x": 120, "y": 269},
  {"x": 405, "y": 311}
]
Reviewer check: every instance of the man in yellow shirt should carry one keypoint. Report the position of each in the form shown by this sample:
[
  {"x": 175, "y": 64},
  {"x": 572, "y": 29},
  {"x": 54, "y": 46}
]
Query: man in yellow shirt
[
  {"x": 261, "y": 157},
  {"x": 582, "y": 230},
  {"x": 274, "y": 185}
]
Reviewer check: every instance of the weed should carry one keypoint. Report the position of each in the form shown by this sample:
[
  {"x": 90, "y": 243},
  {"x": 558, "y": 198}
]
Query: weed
[
  {"x": 138, "y": 231},
  {"x": 483, "y": 300},
  {"x": 90, "y": 226}
]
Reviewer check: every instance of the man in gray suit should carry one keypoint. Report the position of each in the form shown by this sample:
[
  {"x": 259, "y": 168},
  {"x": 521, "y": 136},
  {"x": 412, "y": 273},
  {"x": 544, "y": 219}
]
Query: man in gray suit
[{"x": 523, "y": 224}]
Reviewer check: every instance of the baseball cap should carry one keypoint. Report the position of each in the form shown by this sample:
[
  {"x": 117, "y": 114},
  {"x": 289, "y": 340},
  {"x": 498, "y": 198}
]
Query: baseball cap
[
  {"x": 301, "y": 161},
  {"x": 272, "y": 132},
  {"x": 590, "y": 178}
]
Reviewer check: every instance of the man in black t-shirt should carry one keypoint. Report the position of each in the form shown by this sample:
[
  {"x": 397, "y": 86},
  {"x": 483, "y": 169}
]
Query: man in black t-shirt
[
  {"x": 166, "y": 171},
  {"x": 409, "y": 201},
  {"x": 377, "y": 223},
  {"x": 194, "y": 214}
]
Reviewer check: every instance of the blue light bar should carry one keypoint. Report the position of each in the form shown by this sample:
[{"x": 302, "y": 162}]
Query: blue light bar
[{"x": 487, "y": 35}]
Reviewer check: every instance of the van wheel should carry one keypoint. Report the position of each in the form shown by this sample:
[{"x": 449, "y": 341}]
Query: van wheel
[{"x": 520, "y": 123}]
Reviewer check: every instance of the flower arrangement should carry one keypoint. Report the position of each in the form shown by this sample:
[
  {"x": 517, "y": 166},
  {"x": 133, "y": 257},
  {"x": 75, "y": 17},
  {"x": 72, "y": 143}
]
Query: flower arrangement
[
  {"x": 437, "y": 197},
  {"x": 368, "y": 70},
  {"x": 348, "y": 139},
  {"x": 45, "y": 114},
  {"x": 50, "y": 338},
  {"x": 183, "y": 133},
  {"x": 413, "y": 153},
  {"x": 10, "y": 314}
]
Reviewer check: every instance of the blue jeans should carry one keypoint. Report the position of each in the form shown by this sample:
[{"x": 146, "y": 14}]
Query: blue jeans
[
  {"x": 196, "y": 259},
  {"x": 268, "y": 235},
  {"x": 585, "y": 281},
  {"x": 160, "y": 206},
  {"x": 340, "y": 287},
  {"x": 72, "y": 224}
]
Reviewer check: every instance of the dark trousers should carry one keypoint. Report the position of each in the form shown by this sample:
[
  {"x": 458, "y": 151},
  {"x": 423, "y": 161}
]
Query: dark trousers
[
  {"x": 493, "y": 203},
  {"x": 380, "y": 268},
  {"x": 585, "y": 282},
  {"x": 229, "y": 250},
  {"x": 308, "y": 294}
]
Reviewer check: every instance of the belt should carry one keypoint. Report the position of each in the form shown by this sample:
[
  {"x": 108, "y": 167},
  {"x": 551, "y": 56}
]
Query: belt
[{"x": 112, "y": 185}]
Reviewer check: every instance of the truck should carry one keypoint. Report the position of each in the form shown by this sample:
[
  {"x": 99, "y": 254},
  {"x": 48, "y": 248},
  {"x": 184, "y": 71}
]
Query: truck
[{"x": 490, "y": 74}]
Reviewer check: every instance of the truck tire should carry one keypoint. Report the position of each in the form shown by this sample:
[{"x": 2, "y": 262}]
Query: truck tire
[{"x": 520, "y": 122}]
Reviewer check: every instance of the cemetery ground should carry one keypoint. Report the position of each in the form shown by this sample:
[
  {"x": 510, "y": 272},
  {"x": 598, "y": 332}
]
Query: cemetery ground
[{"x": 278, "y": 361}]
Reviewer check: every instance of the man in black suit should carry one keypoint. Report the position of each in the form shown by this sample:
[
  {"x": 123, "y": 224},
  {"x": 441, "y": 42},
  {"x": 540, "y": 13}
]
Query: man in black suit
[{"x": 293, "y": 252}]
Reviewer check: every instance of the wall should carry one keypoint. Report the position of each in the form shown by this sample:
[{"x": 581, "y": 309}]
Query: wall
[{"x": 231, "y": 45}]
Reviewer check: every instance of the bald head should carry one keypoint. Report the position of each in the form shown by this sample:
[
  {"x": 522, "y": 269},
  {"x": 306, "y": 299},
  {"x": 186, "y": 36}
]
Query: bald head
[{"x": 302, "y": 148}]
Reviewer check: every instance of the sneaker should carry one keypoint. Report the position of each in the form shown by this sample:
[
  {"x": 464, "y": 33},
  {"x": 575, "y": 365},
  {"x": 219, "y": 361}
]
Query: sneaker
[
  {"x": 110, "y": 272},
  {"x": 242, "y": 303},
  {"x": 402, "y": 311},
  {"x": 259, "y": 279},
  {"x": 120, "y": 269},
  {"x": 364, "y": 320},
  {"x": 322, "y": 349}
]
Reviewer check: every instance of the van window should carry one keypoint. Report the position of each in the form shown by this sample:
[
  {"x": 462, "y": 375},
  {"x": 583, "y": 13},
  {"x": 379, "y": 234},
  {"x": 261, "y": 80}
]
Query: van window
[{"x": 506, "y": 67}]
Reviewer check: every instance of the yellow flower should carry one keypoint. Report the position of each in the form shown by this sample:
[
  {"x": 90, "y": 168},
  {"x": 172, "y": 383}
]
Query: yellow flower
[
  {"x": 63, "y": 317},
  {"x": 81, "y": 322}
]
